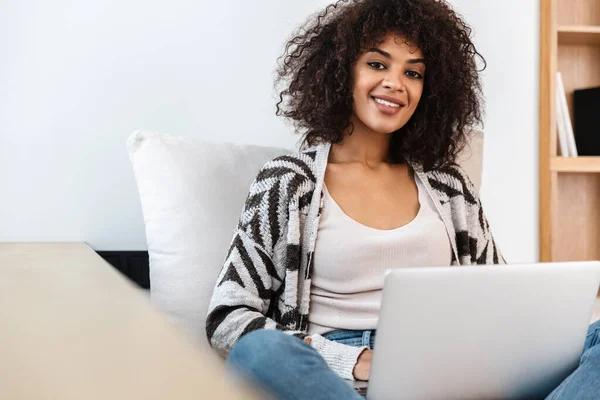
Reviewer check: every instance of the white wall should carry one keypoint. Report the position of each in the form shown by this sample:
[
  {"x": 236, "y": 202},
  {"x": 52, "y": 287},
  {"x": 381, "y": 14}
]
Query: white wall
[
  {"x": 76, "y": 78},
  {"x": 507, "y": 34}
]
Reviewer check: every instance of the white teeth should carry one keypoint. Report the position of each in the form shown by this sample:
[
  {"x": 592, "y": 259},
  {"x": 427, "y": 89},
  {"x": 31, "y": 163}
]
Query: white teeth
[{"x": 386, "y": 103}]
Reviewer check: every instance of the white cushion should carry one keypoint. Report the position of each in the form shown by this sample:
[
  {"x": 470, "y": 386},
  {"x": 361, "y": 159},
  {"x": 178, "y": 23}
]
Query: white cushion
[{"x": 192, "y": 193}]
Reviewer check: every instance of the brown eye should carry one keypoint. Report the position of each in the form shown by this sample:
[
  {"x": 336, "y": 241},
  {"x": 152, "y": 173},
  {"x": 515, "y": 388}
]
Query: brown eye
[
  {"x": 376, "y": 65},
  {"x": 414, "y": 74}
]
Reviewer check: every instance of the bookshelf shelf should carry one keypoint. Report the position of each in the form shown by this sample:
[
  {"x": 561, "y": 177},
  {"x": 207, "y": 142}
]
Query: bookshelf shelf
[
  {"x": 579, "y": 35},
  {"x": 582, "y": 164},
  {"x": 569, "y": 187}
]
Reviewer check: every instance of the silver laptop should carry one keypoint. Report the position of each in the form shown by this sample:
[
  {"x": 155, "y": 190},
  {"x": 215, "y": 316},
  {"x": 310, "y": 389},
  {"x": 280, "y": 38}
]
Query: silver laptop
[{"x": 482, "y": 332}]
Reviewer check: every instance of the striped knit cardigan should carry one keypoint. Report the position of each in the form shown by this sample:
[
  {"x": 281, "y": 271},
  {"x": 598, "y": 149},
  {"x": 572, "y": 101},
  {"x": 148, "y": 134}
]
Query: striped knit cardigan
[{"x": 265, "y": 281}]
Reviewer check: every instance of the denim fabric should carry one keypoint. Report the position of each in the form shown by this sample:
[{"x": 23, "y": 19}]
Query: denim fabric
[
  {"x": 584, "y": 382},
  {"x": 288, "y": 368},
  {"x": 353, "y": 338}
]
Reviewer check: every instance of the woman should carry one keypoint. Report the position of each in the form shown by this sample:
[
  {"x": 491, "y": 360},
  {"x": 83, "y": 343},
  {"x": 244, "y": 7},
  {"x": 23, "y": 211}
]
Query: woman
[{"x": 384, "y": 93}]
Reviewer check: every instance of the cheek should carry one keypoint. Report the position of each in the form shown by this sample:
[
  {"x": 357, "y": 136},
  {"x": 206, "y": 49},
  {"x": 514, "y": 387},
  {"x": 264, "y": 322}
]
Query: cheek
[
  {"x": 363, "y": 84},
  {"x": 360, "y": 91},
  {"x": 360, "y": 99},
  {"x": 416, "y": 95}
]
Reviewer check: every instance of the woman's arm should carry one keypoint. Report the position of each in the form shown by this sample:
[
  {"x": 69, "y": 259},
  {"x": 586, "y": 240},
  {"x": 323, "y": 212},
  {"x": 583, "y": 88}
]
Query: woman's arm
[
  {"x": 478, "y": 241},
  {"x": 249, "y": 281}
]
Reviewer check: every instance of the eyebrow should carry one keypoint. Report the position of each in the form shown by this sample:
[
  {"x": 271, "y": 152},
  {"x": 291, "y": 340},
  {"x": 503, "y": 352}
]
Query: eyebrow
[{"x": 388, "y": 55}]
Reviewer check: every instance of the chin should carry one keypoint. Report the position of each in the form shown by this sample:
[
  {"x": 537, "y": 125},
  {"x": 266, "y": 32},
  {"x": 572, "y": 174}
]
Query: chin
[{"x": 384, "y": 130}]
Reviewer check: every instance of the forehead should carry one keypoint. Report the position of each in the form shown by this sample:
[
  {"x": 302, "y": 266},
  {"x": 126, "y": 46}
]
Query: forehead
[{"x": 398, "y": 44}]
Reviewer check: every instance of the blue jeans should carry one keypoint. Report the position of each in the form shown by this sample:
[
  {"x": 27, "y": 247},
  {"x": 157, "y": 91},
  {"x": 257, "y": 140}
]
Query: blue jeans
[
  {"x": 288, "y": 368},
  {"x": 584, "y": 382}
]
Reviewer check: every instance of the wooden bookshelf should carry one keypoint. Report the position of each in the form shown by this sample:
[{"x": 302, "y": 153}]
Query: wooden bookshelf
[
  {"x": 579, "y": 35},
  {"x": 569, "y": 187},
  {"x": 575, "y": 164}
]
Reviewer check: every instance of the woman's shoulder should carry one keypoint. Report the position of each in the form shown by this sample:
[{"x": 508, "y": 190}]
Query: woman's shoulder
[
  {"x": 283, "y": 180},
  {"x": 300, "y": 165},
  {"x": 452, "y": 179}
]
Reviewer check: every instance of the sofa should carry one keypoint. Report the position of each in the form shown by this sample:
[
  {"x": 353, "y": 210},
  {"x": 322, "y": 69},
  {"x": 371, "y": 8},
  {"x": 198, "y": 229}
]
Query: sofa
[{"x": 192, "y": 192}]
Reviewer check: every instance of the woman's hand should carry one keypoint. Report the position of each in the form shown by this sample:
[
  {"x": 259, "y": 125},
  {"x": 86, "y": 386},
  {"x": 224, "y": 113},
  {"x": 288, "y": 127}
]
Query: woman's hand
[{"x": 362, "y": 369}]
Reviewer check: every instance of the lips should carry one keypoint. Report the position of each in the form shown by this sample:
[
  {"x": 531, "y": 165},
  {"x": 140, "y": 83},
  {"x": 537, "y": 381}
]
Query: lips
[
  {"x": 385, "y": 109},
  {"x": 390, "y": 99}
]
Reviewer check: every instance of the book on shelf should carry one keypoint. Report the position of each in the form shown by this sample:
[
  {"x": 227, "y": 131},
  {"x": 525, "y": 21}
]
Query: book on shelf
[
  {"x": 562, "y": 132},
  {"x": 586, "y": 120},
  {"x": 566, "y": 137}
]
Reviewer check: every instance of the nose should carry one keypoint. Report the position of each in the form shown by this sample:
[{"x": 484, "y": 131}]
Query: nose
[{"x": 393, "y": 82}]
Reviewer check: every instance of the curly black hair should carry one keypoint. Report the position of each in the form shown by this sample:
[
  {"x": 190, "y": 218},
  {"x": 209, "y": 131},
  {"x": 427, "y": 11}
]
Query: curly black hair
[{"x": 318, "y": 60}]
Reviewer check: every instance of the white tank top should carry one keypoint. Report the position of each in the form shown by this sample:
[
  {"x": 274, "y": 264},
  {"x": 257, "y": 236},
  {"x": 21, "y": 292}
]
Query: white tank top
[{"x": 350, "y": 260}]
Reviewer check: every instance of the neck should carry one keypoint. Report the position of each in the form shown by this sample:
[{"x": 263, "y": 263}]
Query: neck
[{"x": 363, "y": 146}]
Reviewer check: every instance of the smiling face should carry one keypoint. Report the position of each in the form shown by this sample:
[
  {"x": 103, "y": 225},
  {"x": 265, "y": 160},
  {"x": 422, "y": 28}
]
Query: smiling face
[{"x": 388, "y": 83}]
